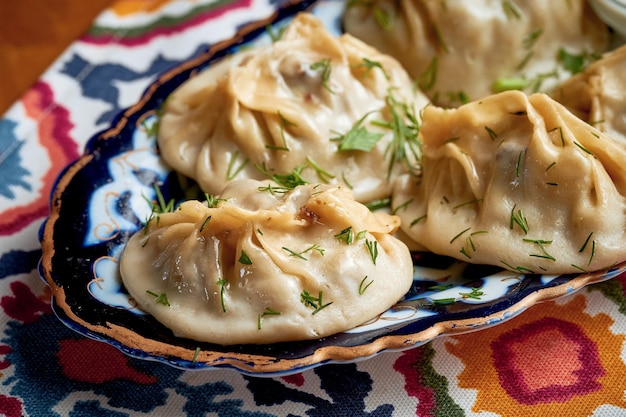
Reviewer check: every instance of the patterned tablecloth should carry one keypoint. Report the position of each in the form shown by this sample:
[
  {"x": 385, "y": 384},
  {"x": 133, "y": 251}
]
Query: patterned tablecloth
[{"x": 560, "y": 358}]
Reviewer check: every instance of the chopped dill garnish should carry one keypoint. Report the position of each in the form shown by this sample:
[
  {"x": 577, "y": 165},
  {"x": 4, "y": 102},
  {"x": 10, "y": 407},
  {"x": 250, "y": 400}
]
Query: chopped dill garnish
[
  {"x": 560, "y": 130},
  {"x": 468, "y": 203},
  {"x": 593, "y": 247},
  {"x": 520, "y": 269},
  {"x": 405, "y": 142},
  {"x": 325, "y": 66},
  {"x": 519, "y": 219},
  {"x": 582, "y": 148},
  {"x": 284, "y": 122},
  {"x": 579, "y": 268},
  {"x": 459, "y": 234},
  {"x": 288, "y": 181},
  {"x": 378, "y": 204},
  {"x": 441, "y": 43},
  {"x": 440, "y": 287},
  {"x": 232, "y": 171},
  {"x": 417, "y": 220},
  {"x": 314, "y": 302},
  {"x": 428, "y": 78},
  {"x": 268, "y": 312},
  {"x": 383, "y": 18},
  {"x": 363, "y": 285},
  {"x": 212, "y": 201},
  {"x": 544, "y": 253},
  {"x": 444, "y": 301},
  {"x": 274, "y": 190},
  {"x": 345, "y": 180},
  {"x": 322, "y": 174},
  {"x": 222, "y": 283},
  {"x": 458, "y": 96},
  {"x": 582, "y": 248},
  {"x": 205, "y": 223},
  {"x": 476, "y": 293},
  {"x": 372, "y": 248},
  {"x": 152, "y": 129},
  {"x": 531, "y": 39},
  {"x": 369, "y": 65},
  {"x": 519, "y": 163},
  {"x": 161, "y": 206},
  {"x": 275, "y": 35},
  {"x": 195, "y": 356},
  {"x": 158, "y": 207},
  {"x": 402, "y": 206},
  {"x": 535, "y": 84},
  {"x": 550, "y": 166},
  {"x": 346, "y": 235},
  {"x": 510, "y": 10},
  {"x": 300, "y": 255},
  {"x": 160, "y": 298},
  {"x": 492, "y": 134},
  {"x": 593, "y": 252}
]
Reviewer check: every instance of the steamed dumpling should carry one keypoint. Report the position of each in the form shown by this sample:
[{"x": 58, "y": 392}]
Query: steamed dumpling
[
  {"x": 519, "y": 182},
  {"x": 264, "y": 266},
  {"x": 598, "y": 95},
  {"x": 333, "y": 110},
  {"x": 462, "y": 50}
]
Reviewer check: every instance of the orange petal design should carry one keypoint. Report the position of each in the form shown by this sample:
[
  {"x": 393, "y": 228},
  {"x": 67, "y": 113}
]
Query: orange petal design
[
  {"x": 128, "y": 7},
  {"x": 553, "y": 359}
]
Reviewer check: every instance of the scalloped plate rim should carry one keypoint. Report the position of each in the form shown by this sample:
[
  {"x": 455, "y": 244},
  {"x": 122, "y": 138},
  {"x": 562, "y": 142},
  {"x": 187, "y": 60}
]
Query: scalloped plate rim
[{"x": 252, "y": 364}]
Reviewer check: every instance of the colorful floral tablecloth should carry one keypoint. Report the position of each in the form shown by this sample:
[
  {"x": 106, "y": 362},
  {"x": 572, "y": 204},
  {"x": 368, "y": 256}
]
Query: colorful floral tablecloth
[{"x": 559, "y": 358}]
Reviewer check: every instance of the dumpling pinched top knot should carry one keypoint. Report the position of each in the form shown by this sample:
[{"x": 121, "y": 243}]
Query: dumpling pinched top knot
[
  {"x": 520, "y": 182},
  {"x": 331, "y": 108}
]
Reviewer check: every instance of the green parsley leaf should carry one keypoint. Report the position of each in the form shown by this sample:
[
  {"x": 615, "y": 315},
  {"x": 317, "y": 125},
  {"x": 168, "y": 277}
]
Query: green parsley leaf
[
  {"x": 245, "y": 259},
  {"x": 358, "y": 138}
]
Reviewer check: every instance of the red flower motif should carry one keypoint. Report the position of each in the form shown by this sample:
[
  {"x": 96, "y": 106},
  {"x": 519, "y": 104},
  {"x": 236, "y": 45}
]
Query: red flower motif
[
  {"x": 409, "y": 365},
  {"x": 521, "y": 355},
  {"x": 24, "y": 305},
  {"x": 87, "y": 360},
  {"x": 53, "y": 132},
  {"x": 10, "y": 406},
  {"x": 297, "y": 379}
]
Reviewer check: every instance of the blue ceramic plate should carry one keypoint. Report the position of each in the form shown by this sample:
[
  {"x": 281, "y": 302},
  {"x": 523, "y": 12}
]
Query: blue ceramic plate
[{"x": 100, "y": 201}]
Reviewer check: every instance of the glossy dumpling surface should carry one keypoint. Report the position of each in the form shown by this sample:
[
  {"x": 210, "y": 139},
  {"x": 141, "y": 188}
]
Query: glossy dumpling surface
[
  {"x": 520, "y": 182},
  {"x": 325, "y": 107},
  {"x": 598, "y": 94},
  {"x": 464, "y": 50},
  {"x": 264, "y": 266}
]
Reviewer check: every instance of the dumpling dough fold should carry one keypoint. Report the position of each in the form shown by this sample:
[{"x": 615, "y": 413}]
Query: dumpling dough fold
[
  {"x": 265, "y": 267},
  {"x": 279, "y": 107},
  {"x": 462, "y": 50},
  {"x": 598, "y": 94},
  {"x": 520, "y": 182}
]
